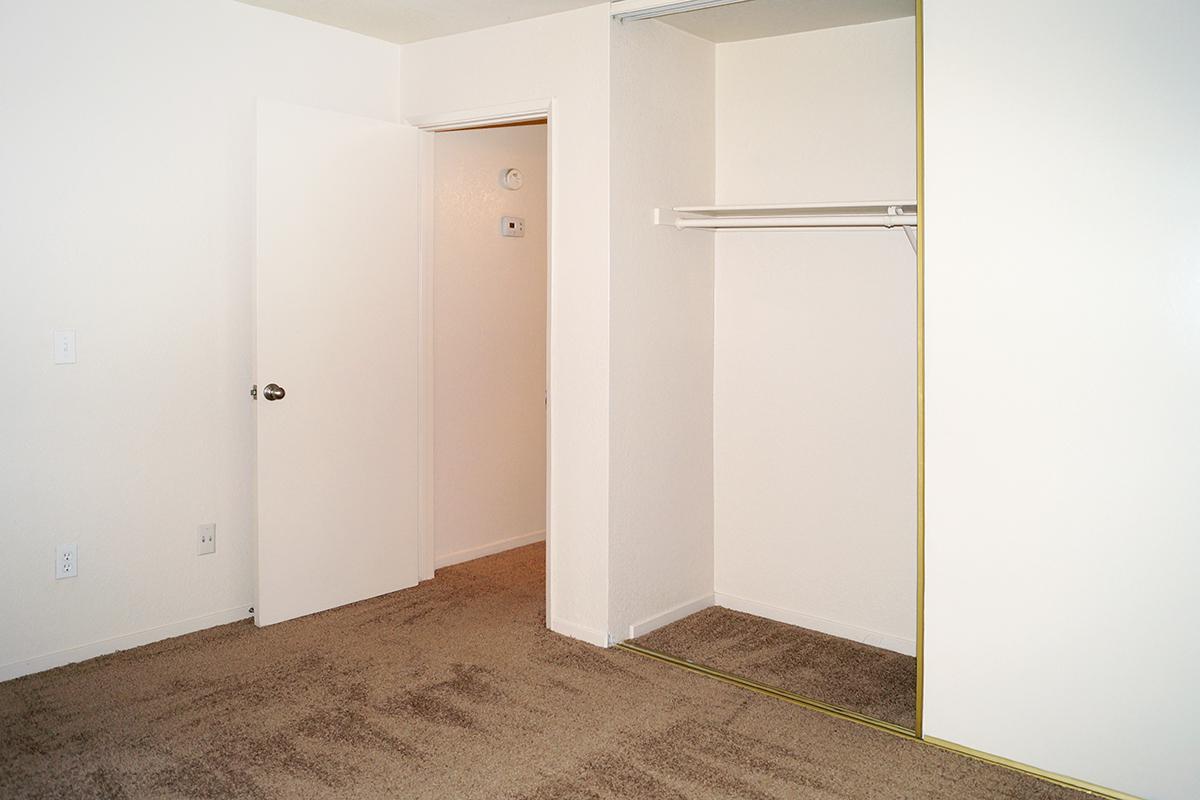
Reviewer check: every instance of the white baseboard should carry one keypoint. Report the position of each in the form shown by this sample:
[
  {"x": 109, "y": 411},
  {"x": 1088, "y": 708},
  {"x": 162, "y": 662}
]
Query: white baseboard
[
  {"x": 581, "y": 632},
  {"x": 489, "y": 549},
  {"x": 69, "y": 656},
  {"x": 844, "y": 630},
  {"x": 673, "y": 614}
]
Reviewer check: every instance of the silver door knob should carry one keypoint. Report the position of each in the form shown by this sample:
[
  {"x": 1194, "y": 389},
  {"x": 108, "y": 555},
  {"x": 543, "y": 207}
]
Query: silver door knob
[{"x": 273, "y": 391}]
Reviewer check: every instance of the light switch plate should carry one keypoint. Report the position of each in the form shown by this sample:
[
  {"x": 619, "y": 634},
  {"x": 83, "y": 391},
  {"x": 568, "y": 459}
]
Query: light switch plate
[{"x": 64, "y": 347}]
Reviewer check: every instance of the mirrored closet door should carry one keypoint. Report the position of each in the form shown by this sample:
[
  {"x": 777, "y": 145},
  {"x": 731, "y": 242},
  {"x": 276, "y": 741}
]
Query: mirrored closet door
[{"x": 813, "y": 223}]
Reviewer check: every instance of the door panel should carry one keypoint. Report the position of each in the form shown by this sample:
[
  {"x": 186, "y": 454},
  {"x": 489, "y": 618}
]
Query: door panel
[{"x": 337, "y": 326}]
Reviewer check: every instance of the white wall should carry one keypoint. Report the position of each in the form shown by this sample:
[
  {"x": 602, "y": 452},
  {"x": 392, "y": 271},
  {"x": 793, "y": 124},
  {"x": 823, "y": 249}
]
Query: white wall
[
  {"x": 815, "y": 377},
  {"x": 563, "y": 57},
  {"x": 1063, "y": 382},
  {"x": 489, "y": 343},
  {"x": 661, "y": 477},
  {"x": 126, "y": 194}
]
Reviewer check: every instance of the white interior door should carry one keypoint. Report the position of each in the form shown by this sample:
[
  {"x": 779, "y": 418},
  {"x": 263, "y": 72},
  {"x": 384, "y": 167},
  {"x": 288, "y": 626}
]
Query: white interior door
[{"x": 337, "y": 329}]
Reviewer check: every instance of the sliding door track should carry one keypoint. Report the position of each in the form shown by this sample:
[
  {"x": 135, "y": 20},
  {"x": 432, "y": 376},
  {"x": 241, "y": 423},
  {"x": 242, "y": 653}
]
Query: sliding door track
[{"x": 771, "y": 691}]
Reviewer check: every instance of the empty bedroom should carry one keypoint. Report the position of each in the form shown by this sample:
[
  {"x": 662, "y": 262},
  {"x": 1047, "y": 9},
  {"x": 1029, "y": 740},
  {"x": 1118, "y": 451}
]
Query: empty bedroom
[{"x": 570, "y": 399}]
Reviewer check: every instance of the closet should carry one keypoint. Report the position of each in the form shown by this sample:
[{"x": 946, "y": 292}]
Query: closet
[{"x": 765, "y": 167}]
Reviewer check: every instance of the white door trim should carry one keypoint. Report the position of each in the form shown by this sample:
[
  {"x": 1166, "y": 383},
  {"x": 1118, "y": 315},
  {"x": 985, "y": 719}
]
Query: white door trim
[{"x": 429, "y": 124}]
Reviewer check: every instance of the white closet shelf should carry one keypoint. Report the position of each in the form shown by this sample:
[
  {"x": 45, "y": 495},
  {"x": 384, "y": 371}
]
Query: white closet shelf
[{"x": 860, "y": 214}]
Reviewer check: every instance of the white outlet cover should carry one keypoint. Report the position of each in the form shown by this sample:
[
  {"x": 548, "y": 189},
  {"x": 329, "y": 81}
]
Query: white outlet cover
[
  {"x": 206, "y": 539},
  {"x": 66, "y": 561}
]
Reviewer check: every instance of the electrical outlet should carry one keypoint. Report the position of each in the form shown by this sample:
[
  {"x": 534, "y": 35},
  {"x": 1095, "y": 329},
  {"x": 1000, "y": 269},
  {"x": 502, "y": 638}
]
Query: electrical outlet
[
  {"x": 206, "y": 539},
  {"x": 66, "y": 561}
]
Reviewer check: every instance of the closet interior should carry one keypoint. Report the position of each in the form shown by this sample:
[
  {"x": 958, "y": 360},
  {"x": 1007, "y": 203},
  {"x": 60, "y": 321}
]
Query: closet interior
[{"x": 765, "y": 167}]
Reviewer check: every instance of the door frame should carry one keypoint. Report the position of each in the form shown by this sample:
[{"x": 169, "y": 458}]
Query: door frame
[{"x": 429, "y": 125}]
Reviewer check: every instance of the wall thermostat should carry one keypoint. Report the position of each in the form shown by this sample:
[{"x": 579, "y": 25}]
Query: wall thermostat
[
  {"x": 512, "y": 226},
  {"x": 512, "y": 179}
]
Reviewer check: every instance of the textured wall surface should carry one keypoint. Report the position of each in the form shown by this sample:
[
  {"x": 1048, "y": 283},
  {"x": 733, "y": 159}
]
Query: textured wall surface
[{"x": 127, "y": 195}]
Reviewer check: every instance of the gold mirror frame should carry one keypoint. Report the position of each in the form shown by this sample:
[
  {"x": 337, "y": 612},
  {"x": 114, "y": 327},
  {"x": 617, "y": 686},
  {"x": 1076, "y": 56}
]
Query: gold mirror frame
[{"x": 918, "y": 733}]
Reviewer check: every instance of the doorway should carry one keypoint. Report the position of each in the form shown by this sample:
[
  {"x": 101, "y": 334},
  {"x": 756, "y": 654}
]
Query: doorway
[
  {"x": 347, "y": 234},
  {"x": 485, "y": 299}
]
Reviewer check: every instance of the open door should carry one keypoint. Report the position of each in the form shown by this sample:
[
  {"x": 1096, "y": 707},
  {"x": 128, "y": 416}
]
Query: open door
[{"x": 337, "y": 349}]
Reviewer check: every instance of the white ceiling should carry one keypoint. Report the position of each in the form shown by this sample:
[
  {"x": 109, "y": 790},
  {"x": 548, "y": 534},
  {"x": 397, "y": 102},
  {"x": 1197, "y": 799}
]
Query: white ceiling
[
  {"x": 759, "y": 18},
  {"x": 403, "y": 21}
]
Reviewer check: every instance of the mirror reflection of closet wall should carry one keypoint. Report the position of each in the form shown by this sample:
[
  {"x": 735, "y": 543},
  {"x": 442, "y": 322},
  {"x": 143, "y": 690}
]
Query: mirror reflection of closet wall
[{"x": 812, "y": 215}]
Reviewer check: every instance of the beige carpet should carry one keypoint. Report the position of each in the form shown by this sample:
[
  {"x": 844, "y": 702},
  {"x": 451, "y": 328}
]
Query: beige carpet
[
  {"x": 872, "y": 681},
  {"x": 453, "y": 689}
]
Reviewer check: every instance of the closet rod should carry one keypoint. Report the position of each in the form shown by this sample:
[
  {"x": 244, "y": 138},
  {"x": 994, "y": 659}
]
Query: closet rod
[
  {"x": 810, "y": 221},
  {"x": 630, "y": 10},
  {"x": 858, "y": 214},
  {"x": 809, "y": 216}
]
